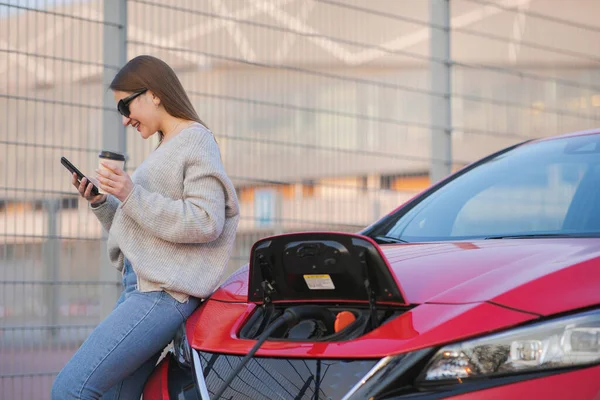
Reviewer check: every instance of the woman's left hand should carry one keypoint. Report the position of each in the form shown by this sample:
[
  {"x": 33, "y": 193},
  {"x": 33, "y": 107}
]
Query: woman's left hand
[{"x": 115, "y": 181}]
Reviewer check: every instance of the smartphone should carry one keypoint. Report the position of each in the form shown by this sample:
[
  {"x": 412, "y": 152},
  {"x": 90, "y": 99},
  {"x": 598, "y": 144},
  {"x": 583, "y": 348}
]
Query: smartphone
[{"x": 80, "y": 176}]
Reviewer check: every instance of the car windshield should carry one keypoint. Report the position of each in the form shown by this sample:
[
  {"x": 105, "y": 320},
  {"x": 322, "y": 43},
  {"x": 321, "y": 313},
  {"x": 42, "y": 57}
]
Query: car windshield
[{"x": 540, "y": 189}]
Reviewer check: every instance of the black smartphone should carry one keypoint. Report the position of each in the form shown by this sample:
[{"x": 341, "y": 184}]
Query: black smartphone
[{"x": 80, "y": 176}]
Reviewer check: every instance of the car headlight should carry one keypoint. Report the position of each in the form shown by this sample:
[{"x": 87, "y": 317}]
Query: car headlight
[
  {"x": 181, "y": 348},
  {"x": 571, "y": 341}
]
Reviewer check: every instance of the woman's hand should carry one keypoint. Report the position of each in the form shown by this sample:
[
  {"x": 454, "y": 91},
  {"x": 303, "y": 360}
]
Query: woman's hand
[
  {"x": 115, "y": 181},
  {"x": 85, "y": 190}
]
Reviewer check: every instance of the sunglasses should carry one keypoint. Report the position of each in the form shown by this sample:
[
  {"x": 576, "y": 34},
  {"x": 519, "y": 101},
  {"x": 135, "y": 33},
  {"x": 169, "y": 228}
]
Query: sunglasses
[{"x": 123, "y": 104}]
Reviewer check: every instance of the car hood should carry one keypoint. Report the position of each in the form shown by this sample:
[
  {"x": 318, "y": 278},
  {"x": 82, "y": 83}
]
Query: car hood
[
  {"x": 539, "y": 276},
  {"x": 455, "y": 290},
  {"x": 542, "y": 276}
]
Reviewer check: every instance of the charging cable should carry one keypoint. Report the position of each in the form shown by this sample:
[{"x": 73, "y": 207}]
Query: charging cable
[{"x": 291, "y": 317}]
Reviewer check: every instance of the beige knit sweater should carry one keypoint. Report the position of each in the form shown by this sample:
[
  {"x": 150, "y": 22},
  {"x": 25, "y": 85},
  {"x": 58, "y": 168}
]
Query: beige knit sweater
[{"x": 177, "y": 227}]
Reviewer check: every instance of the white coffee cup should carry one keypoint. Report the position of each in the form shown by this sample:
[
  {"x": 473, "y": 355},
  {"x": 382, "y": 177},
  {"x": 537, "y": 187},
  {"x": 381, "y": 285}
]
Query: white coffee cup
[{"x": 112, "y": 159}]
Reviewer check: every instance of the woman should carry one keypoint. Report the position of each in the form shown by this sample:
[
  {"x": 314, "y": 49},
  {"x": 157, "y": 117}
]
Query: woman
[{"x": 171, "y": 229}]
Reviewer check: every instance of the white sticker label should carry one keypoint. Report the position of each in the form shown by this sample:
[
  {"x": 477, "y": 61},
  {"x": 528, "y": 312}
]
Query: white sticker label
[{"x": 319, "y": 282}]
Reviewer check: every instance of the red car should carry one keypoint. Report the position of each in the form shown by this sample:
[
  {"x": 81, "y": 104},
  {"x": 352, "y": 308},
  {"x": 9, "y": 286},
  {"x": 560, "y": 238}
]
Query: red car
[{"x": 485, "y": 286}]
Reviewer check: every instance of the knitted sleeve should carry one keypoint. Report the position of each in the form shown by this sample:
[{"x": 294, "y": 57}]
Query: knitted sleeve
[{"x": 106, "y": 211}]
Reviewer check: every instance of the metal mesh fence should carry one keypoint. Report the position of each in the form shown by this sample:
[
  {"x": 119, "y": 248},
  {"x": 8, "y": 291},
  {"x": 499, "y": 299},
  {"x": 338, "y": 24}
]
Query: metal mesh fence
[
  {"x": 321, "y": 109},
  {"x": 51, "y": 291}
]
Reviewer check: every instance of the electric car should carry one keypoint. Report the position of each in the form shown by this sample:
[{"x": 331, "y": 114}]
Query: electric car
[{"x": 485, "y": 285}]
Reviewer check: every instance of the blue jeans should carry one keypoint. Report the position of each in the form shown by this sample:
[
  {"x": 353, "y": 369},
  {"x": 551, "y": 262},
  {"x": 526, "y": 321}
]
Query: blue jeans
[{"x": 120, "y": 354}]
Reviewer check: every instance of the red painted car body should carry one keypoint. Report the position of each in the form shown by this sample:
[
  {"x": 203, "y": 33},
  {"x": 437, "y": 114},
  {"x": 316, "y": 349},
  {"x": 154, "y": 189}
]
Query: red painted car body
[
  {"x": 470, "y": 272},
  {"x": 456, "y": 290}
]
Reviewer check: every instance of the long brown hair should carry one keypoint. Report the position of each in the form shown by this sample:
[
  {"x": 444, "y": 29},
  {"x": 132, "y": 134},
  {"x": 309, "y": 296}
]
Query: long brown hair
[{"x": 148, "y": 72}]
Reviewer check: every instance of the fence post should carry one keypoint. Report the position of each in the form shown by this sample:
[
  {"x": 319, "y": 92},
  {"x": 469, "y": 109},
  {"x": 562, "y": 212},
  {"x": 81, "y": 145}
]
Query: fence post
[
  {"x": 440, "y": 78},
  {"x": 113, "y": 131}
]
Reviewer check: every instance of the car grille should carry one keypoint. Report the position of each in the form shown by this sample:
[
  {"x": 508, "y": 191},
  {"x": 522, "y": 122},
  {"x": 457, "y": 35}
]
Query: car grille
[{"x": 278, "y": 378}]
